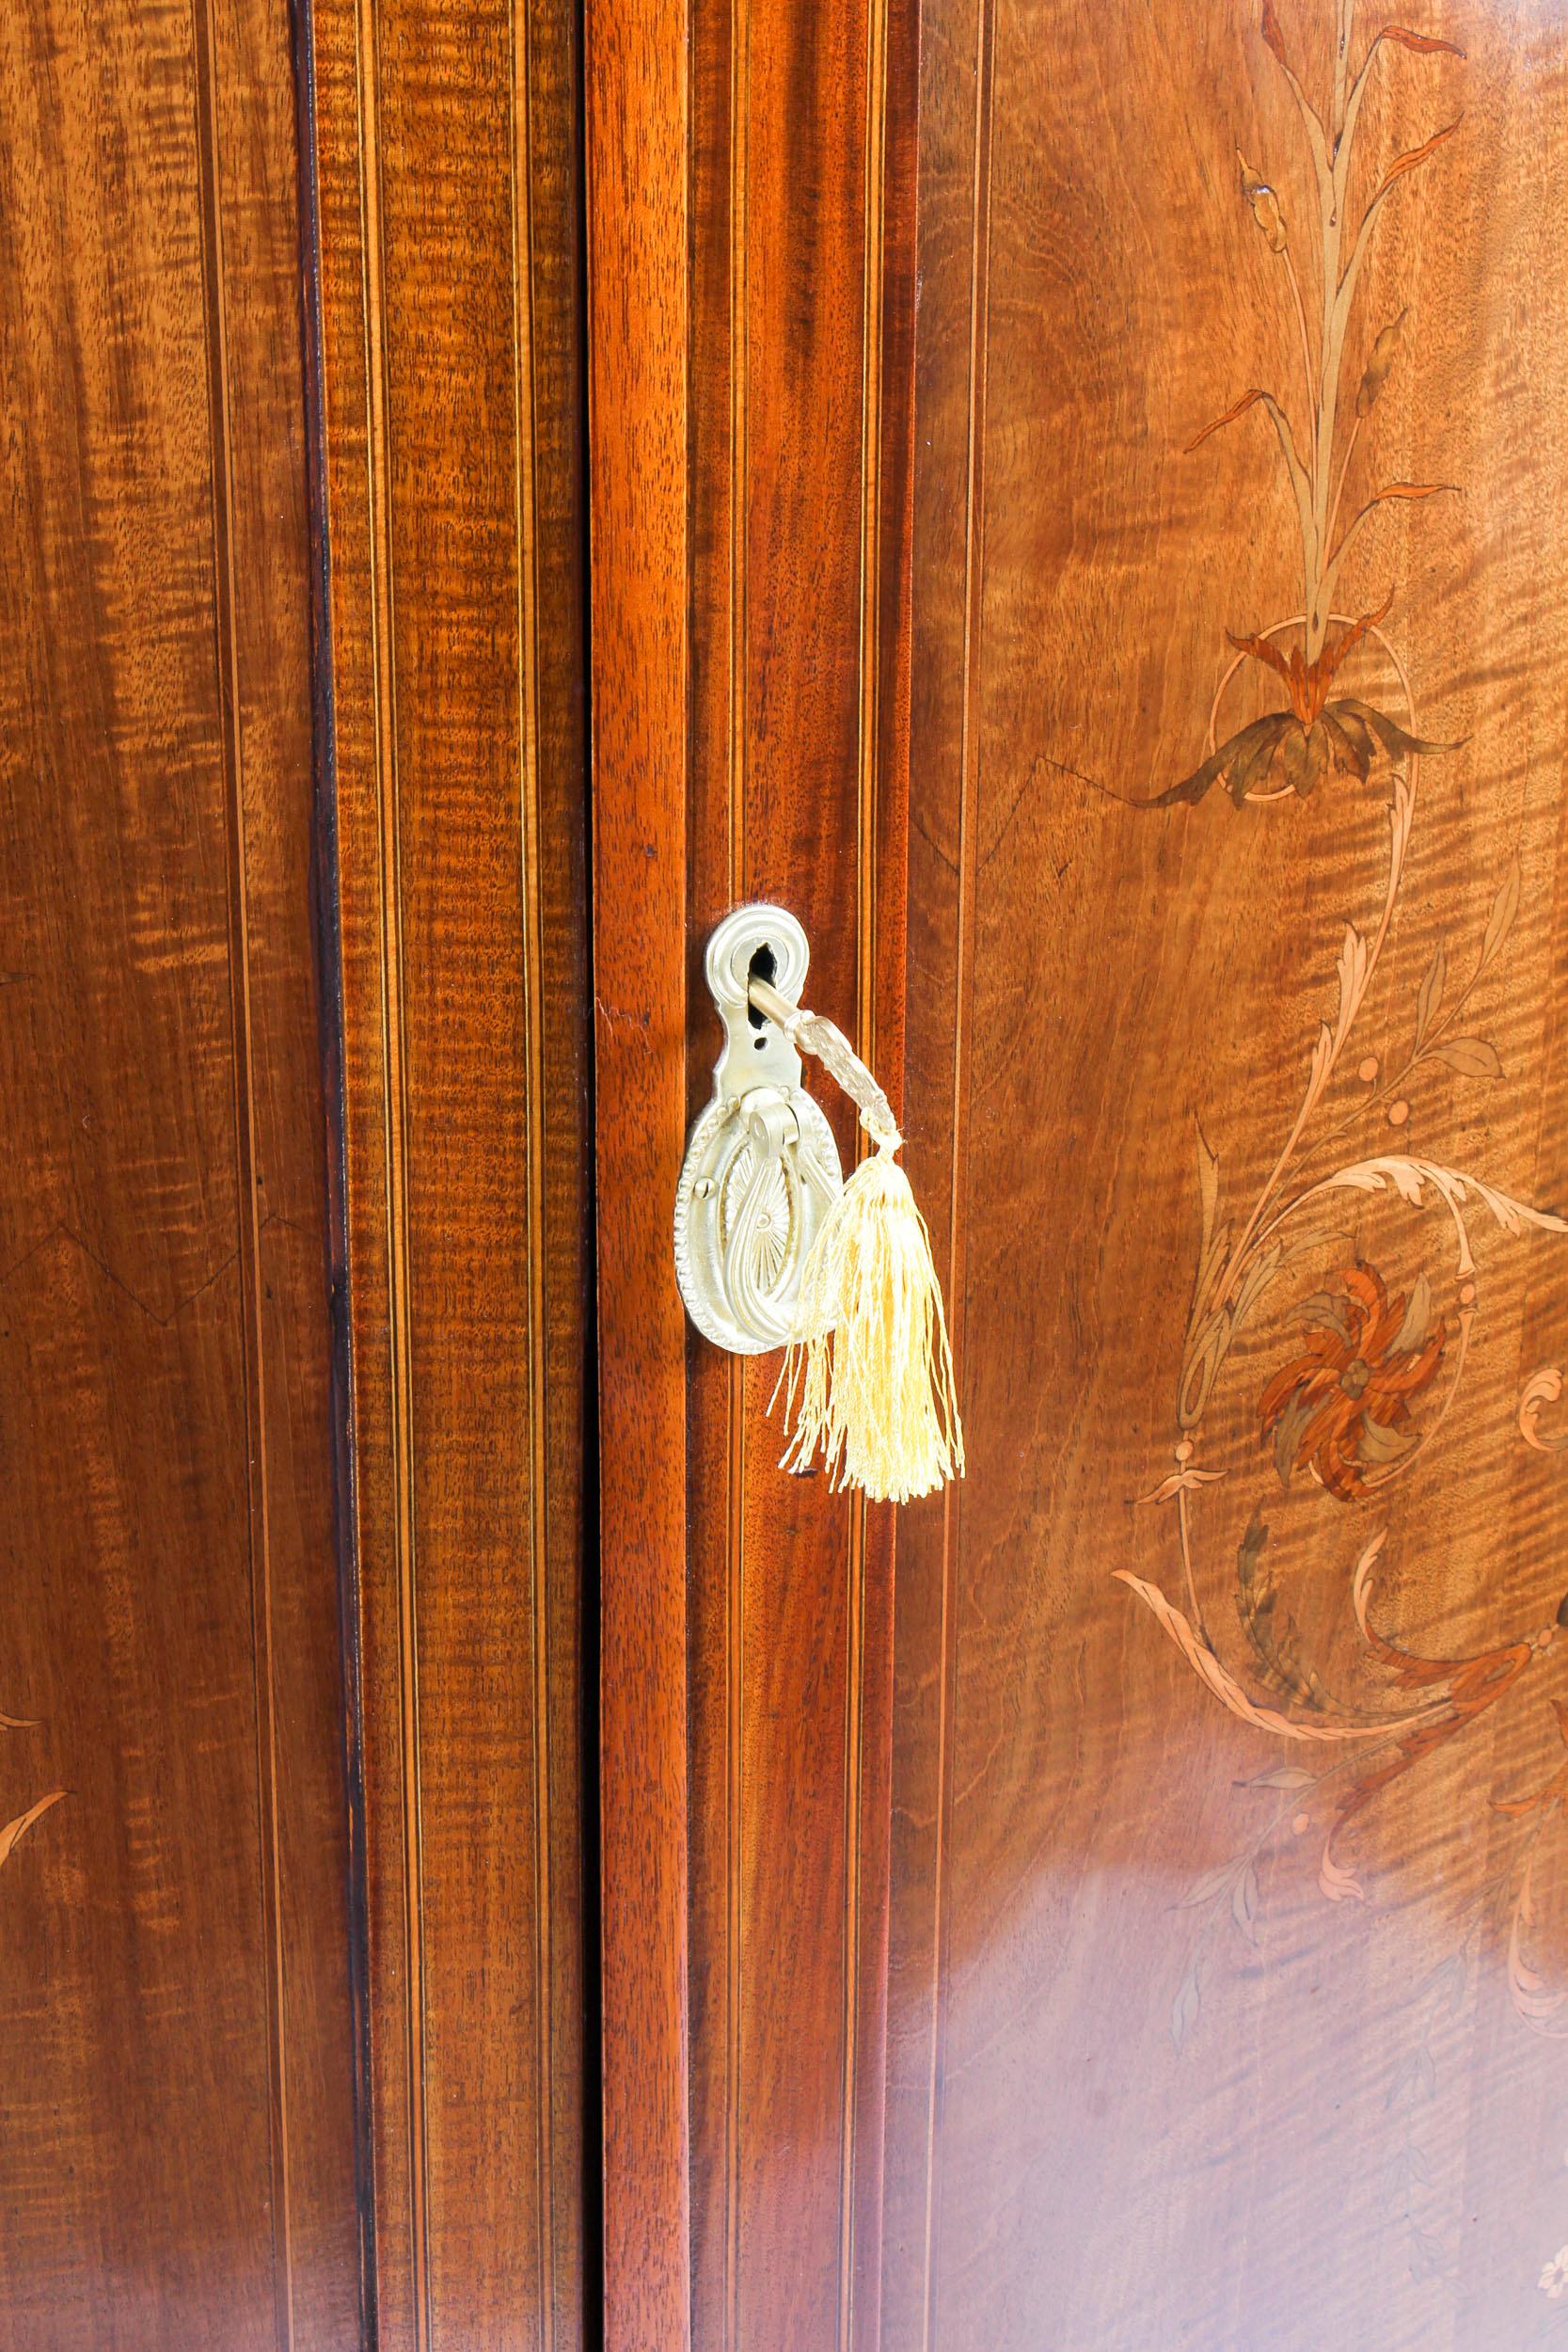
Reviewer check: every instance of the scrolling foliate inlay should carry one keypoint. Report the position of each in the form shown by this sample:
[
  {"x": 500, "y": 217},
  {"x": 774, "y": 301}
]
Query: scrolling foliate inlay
[
  {"x": 1367, "y": 1352},
  {"x": 13, "y": 1831}
]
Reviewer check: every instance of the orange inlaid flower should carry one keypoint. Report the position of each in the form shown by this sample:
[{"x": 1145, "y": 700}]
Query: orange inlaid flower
[{"x": 1342, "y": 1406}]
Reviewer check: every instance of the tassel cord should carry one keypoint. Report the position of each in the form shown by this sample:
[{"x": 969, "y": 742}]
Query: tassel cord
[
  {"x": 826, "y": 1040},
  {"x": 868, "y": 1376}
]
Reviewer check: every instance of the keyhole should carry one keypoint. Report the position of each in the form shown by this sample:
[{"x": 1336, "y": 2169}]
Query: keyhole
[{"x": 762, "y": 966}]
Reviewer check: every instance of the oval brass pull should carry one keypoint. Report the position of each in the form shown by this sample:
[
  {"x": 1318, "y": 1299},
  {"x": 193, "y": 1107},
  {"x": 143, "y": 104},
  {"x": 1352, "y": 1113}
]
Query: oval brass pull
[
  {"x": 773, "y": 1249},
  {"x": 761, "y": 1166}
]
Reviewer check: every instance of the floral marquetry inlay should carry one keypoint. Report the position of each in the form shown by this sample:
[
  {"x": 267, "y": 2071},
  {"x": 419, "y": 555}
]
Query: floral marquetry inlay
[{"x": 1365, "y": 1359}]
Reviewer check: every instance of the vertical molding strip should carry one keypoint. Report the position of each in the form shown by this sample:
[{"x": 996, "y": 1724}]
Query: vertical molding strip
[
  {"x": 252, "y": 1288},
  {"x": 394, "y": 1106},
  {"x": 463, "y": 884},
  {"x": 740, "y": 41},
  {"x": 865, "y": 1020},
  {"x": 638, "y": 267},
  {"x": 957, "y": 1275},
  {"x": 525, "y": 461}
]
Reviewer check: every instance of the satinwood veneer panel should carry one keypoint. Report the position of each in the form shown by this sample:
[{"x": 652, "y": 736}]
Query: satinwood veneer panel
[{"x": 1230, "y": 1909}]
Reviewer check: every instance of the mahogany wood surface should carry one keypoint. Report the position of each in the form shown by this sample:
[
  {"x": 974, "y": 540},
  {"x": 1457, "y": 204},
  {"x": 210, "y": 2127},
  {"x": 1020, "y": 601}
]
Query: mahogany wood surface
[
  {"x": 1221, "y": 2015},
  {"x": 751, "y": 196},
  {"x": 445, "y": 164},
  {"x": 637, "y": 214},
  {"x": 176, "y": 2163}
]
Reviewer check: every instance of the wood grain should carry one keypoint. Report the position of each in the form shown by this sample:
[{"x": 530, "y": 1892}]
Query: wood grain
[
  {"x": 1148, "y": 2083},
  {"x": 444, "y": 152},
  {"x": 756, "y": 472},
  {"x": 178, "y": 2164}
]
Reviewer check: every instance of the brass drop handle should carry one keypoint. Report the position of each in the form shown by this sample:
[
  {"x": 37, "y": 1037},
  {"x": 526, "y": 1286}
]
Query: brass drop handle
[
  {"x": 761, "y": 1166},
  {"x": 773, "y": 1249}
]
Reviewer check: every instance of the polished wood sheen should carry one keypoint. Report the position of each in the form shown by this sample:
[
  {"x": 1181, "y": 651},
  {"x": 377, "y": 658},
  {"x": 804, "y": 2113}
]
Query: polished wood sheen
[
  {"x": 751, "y": 195},
  {"x": 177, "y": 2158},
  {"x": 445, "y": 171},
  {"x": 1230, "y": 1902},
  {"x": 638, "y": 297}
]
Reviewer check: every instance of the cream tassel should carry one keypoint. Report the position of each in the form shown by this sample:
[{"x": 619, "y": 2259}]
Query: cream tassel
[{"x": 868, "y": 1376}]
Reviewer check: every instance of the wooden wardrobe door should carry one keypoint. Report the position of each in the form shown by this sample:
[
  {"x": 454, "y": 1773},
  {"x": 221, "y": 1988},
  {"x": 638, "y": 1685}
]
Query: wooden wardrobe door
[
  {"x": 177, "y": 2158},
  {"x": 749, "y": 251},
  {"x": 1231, "y": 1887}
]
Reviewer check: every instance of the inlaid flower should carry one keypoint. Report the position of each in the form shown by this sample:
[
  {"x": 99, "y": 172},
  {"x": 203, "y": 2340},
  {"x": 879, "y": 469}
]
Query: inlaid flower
[
  {"x": 1342, "y": 1406},
  {"x": 1313, "y": 738},
  {"x": 1554, "y": 2277}
]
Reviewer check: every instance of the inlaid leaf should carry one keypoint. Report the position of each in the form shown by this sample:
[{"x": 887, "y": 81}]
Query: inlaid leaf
[
  {"x": 1271, "y": 34},
  {"x": 1257, "y": 1277},
  {"x": 1287, "y": 1436},
  {"x": 14, "y": 1831},
  {"x": 1327, "y": 1313},
  {"x": 1409, "y": 490},
  {"x": 1411, "y": 156},
  {"x": 1413, "y": 1331},
  {"x": 1380, "y": 1443},
  {"x": 1212, "y": 1883},
  {"x": 1233, "y": 758},
  {"x": 1251, "y": 767},
  {"x": 1312, "y": 1242},
  {"x": 1350, "y": 638},
  {"x": 1282, "y": 1776},
  {"x": 1395, "y": 739},
  {"x": 1248, "y": 400},
  {"x": 1428, "y": 2258},
  {"x": 1505, "y": 906},
  {"x": 1250, "y": 1550},
  {"x": 1470, "y": 1056},
  {"x": 1351, "y": 969},
  {"x": 1424, "y": 44},
  {"x": 1270, "y": 1631},
  {"x": 1320, "y": 755},
  {"x": 1400, "y": 2080},
  {"x": 1244, "y": 1903},
  {"x": 1295, "y": 762},
  {"x": 1446, "y": 1985},
  {"x": 1259, "y": 648},
  {"x": 1185, "y": 2008},
  {"x": 1428, "y": 996},
  {"x": 1351, "y": 754},
  {"x": 1357, "y": 733}
]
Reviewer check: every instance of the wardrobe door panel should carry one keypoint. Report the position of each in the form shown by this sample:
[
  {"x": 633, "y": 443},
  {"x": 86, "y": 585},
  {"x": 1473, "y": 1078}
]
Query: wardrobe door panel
[{"x": 1230, "y": 1891}]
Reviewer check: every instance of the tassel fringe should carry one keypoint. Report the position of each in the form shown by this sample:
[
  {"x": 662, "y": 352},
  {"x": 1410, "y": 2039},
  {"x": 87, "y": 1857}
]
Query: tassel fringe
[{"x": 868, "y": 1376}]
